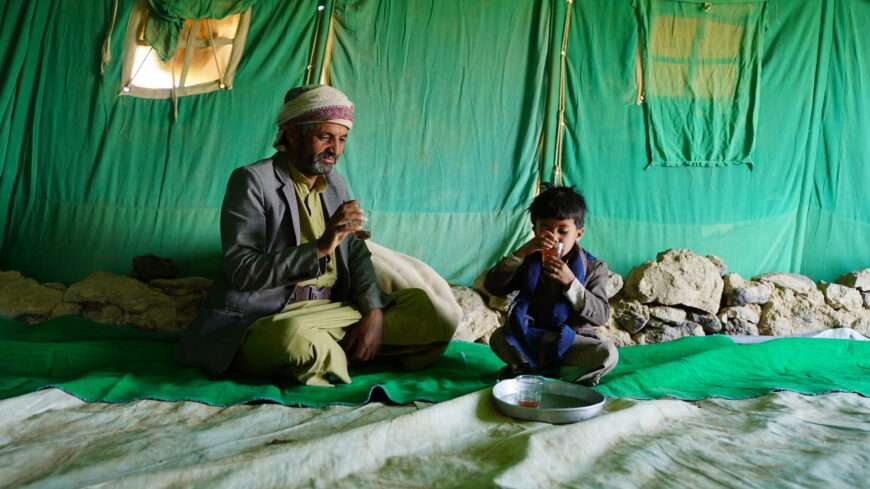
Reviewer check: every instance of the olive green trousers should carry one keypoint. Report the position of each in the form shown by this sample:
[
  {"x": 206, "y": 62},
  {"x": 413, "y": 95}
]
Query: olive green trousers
[{"x": 303, "y": 340}]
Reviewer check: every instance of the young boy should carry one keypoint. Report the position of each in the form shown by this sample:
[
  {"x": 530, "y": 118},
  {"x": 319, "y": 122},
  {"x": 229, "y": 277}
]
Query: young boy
[{"x": 561, "y": 296}]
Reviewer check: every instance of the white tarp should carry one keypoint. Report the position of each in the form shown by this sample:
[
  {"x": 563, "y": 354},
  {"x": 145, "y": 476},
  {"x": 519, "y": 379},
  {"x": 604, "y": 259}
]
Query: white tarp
[{"x": 49, "y": 439}]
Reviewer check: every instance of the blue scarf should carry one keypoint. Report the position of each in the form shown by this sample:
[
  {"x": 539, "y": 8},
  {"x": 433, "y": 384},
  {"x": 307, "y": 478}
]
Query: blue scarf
[{"x": 526, "y": 333}]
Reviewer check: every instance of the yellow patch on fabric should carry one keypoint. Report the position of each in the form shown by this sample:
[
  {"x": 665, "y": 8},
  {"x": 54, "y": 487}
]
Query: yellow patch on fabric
[{"x": 672, "y": 36}]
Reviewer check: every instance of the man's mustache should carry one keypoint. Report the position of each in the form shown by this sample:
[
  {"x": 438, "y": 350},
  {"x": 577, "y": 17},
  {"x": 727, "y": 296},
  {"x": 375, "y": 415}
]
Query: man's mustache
[{"x": 324, "y": 154}]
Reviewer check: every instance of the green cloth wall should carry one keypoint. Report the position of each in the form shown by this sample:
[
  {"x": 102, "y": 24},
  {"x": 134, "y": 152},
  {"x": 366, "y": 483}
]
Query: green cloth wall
[
  {"x": 798, "y": 208},
  {"x": 448, "y": 122},
  {"x": 92, "y": 179},
  {"x": 456, "y": 117}
]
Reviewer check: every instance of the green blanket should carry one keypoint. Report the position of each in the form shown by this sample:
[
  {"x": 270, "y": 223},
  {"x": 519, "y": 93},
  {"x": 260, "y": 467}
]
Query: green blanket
[
  {"x": 112, "y": 364},
  {"x": 715, "y": 366}
]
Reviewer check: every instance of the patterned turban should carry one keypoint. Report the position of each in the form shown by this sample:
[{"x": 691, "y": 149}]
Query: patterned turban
[{"x": 311, "y": 104}]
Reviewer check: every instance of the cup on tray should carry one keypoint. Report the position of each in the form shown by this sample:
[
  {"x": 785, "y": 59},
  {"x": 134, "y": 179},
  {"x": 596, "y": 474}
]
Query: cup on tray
[{"x": 531, "y": 387}]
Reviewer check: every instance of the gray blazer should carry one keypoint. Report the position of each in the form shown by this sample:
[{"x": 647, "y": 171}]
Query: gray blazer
[{"x": 263, "y": 261}]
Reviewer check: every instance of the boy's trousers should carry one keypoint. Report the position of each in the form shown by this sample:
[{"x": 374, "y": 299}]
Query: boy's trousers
[{"x": 585, "y": 362}]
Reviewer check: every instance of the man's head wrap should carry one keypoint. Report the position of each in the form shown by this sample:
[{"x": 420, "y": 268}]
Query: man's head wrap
[{"x": 311, "y": 104}]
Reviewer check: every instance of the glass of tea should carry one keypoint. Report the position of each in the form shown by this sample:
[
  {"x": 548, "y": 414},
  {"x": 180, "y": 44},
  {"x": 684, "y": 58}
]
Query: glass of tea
[
  {"x": 530, "y": 389},
  {"x": 365, "y": 229},
  {"x": 556, "y": 251}
]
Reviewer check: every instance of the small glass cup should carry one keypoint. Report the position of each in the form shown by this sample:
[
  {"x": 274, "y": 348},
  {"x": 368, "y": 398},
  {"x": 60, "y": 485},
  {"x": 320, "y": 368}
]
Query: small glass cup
[
  {"x": 365, "y": 230},
  {"x": 530, "y": 389},
  {"x": 555, "y": 251}
]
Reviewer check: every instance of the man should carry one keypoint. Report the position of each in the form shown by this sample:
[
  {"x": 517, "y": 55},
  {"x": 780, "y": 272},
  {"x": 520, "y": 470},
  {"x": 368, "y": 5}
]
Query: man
[{"x": 297, "y": 294}]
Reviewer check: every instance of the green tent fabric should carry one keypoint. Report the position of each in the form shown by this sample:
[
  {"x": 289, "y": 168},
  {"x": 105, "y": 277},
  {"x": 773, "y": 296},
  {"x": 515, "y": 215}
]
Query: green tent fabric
[
  {"x": 701, "y": 68},
  {"x": 444, "y": 151},
  {"x": 91, "y": 179},
  {"x": 798, "y": 209},
  {"x": 453, "y": 98},
  {"x": 167, "y": 17},
  {"x": 110, "y": 364}
]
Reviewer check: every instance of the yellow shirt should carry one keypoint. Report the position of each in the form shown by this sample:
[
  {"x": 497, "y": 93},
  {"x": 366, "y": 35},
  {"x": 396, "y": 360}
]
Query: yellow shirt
[{"x": 312, "y": 222}]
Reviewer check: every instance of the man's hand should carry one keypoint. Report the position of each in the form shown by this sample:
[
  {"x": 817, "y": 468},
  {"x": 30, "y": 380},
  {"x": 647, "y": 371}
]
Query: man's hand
[
  {"x": 546, "y": 240},
  {"x": 347, "y": 219},
  {"x": 364, "y": 339},
  {"x": 558, "y": 270}
]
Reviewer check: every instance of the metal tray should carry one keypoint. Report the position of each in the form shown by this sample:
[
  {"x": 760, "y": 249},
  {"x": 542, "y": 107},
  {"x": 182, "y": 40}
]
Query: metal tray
[{"x": 561, "y": 402}]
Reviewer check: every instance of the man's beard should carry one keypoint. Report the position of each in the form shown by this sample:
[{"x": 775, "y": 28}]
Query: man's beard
[{"x": 315, "y": 165}]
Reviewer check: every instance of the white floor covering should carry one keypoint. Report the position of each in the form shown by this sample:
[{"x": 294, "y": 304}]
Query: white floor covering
[{"x": 49, "y": 439}]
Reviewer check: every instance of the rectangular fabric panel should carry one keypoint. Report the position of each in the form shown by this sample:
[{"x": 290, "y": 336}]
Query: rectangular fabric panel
[
  {"x": 449, "y": 113},
  {"x": 701, "y": 69}
]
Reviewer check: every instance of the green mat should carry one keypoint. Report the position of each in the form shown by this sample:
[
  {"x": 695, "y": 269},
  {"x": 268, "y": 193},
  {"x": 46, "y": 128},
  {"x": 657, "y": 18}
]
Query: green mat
[
  {"x": 715, "y": 366},
  {"x": 112, "y": 364},
  {"x": 117, "y": 364}
]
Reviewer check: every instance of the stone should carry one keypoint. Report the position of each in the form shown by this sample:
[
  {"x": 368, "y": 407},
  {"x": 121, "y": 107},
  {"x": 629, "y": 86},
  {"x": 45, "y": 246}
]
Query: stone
[
  {"x": 659, "y": 332},
  {"x": 789, "y": 313},
  {"x": 750, "y": 313},
  {"x": 494, "y": 302},
  {"x": 739, "y": 292},
  {"x": 157, "y": 318},
  {"x": 842, "y": 297},
  {"x": 193, "y": 300},
  {"x": 792, "y": 281},
  {"x": 859, "y": 280},
  {"x": 105, "y": 314},
  {"x": 720, "y": 263},
  {"x": 740, "y": 320},
  {"x": 25, "y": 299},
  {"x": 127, "y": 293},
  {"x": 844, "y": 318},
  {"x": 610, "y": 332},
  {"x": 732, "y": 281},
  {"x": 55, "y": 285},
  {"x": 66, "y": 309},
  {"x": 182, "y": 286},
  {"x": 866, "y": 296},
  {"x": 614, "y": 284},
  {"x": 630, "y": 316},
  {"x": 709, "y": 322},
  {"x": 478, "y": 321},
  {"x": 862, "y": 326},
  {"x": 677, "y": 277},
  {"x": 670, "y": 315},
  {"x": 9, "y": 275}
]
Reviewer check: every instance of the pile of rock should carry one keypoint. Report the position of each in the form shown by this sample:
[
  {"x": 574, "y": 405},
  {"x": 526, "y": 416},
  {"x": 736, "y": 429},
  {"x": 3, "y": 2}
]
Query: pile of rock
[
  {"x": 678, "y": 294},
  {"x": 161, "y": 304},
  {"x": 682, "y": 294}
]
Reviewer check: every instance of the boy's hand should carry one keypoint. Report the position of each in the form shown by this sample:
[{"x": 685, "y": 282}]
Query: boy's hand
[
  {"x": 546, "y": 240},
  {"x": 558, "y": 270}
]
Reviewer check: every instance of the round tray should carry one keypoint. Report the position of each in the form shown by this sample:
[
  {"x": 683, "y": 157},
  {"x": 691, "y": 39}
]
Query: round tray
[{"x": 561, "y": 402}]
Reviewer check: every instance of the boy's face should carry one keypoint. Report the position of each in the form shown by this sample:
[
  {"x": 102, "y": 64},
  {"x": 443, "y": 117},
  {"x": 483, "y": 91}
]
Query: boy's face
[{"x": 562, "y": 230}]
